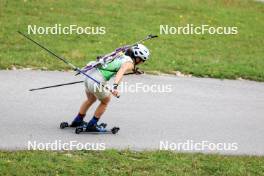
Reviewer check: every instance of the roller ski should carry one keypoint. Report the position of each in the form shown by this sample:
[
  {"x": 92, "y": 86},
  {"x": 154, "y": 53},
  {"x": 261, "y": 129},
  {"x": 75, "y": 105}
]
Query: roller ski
[{"x": 96, "y": 129}]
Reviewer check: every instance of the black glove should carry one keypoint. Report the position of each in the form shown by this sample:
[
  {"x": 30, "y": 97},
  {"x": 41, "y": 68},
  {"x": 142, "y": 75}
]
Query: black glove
[{"x": 137, "y": 71}]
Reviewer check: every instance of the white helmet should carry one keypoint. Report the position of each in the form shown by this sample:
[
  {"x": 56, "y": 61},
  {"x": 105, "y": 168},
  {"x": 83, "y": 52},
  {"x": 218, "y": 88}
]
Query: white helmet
[{"x": 141, "y": 51}]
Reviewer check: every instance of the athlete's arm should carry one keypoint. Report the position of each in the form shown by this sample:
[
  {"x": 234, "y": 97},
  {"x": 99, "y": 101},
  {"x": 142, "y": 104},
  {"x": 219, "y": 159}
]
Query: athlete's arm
[{"x": 124, "y": 68}]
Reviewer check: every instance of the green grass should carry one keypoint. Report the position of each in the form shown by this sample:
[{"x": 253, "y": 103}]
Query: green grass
[
  {"x": 112, "y": 162},
  {"x": 219, "y": 56}
]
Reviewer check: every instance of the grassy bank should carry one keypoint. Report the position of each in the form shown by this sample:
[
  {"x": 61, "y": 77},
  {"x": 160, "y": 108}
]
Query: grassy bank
[
  {"x": 112, "y": 162},
  {"x": 221, "y": 56}
]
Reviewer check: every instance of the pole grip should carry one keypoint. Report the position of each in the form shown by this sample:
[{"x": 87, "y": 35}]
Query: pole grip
[{"x": 152, "y": 36}]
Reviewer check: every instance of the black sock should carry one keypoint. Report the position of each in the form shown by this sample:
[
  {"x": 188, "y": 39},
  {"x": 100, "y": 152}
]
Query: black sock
[
  {"x": 79, "y": 117},
  {"x": 93, "y": 121}
]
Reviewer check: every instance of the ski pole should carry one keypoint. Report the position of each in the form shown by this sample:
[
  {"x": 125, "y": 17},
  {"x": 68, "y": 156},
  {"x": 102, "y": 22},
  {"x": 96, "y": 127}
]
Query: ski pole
[
  {"x": 150, "y": 36},
  {"x": 70, "y": 83},
  {"x": 57, "y": 85},
  {"x": 68, "y": 63}
]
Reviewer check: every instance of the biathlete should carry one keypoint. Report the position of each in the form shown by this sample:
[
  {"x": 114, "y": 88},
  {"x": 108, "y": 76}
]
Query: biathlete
[{"x": 125, "y": 62}]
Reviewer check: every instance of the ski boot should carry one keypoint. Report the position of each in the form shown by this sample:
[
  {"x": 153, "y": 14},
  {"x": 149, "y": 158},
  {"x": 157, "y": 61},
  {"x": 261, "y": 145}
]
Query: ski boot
[
  {"x": 75, "y": 123},
  {"x": 93, "y": 128}
]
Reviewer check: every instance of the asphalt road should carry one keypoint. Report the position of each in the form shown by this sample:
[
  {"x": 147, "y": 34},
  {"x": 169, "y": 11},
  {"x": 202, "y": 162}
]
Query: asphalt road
[{"x": 197, "y": 110}]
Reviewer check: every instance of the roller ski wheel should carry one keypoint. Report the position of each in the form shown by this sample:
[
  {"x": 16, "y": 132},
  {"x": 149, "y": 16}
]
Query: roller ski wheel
[
  {"x": 64, "y": 125},
  {"x": 115, "y": 130},
  {"x": 78, "y": 130}
]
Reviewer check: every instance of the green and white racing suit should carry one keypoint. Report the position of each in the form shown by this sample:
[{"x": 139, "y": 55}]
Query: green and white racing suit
[{"x": 103, "y": 74}]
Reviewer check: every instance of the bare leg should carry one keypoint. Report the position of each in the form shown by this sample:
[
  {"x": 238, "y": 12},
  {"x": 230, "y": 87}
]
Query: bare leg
[
  {"x": 87, "y": 103},
  {"x": 102, "y": 107}
]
